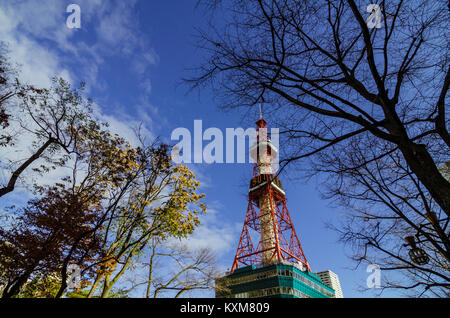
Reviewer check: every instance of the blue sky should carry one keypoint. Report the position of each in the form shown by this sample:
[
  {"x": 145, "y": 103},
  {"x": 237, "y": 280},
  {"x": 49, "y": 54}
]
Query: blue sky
[{"x": 133, "y": 55}]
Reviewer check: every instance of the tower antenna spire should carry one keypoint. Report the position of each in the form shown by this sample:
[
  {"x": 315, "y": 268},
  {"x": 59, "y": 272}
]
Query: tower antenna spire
[{"x": 260, "y": 111}]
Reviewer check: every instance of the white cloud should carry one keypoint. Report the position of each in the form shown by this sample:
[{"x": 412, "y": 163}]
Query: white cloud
[
  {"x": 147, "y": 86},
  {"x": 42, "y": 44},
  {"x": 23, "y": 27},
  {"x": 9, "y": 23},
  {"x": 43, "y": 47},
  {"x": 213, "y": 232},
  {"x": 116, "y": 24},
  {"x": 117, "y": 29}
]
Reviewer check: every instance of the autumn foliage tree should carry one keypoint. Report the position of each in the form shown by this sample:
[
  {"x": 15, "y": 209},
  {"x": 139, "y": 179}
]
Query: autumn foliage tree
[
  {"x": 45, "y": 232},
  {"x": 111, "y": 199},
  {"x": 101, "y": 215},
  {"x": 97, "y": 163},
  {"x": 161, "y": 202}
]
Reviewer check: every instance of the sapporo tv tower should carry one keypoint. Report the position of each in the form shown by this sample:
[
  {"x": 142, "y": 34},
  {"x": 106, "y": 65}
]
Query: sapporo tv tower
[{"x": 269, "y": 261}]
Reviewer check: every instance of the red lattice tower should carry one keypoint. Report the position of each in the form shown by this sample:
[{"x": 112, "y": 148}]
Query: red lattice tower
[{"x": 267, "y": 216}]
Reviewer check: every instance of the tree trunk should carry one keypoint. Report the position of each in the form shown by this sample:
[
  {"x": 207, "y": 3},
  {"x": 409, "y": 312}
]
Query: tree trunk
[
  {"x": 424, "y": 167},
  {"x": 26, "y": 164},
  {"x": 14, "y": 289},
  {"x": 106, "y": 286},
  {"x": 94, "y": 286},
  {"x": 150, "y": 272}
]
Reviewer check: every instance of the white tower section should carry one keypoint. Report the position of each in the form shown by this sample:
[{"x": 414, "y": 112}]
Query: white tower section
[{"x": 263, "y": 152}]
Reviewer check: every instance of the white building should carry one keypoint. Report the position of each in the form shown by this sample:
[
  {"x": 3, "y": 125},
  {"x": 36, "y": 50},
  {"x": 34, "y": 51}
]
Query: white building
[{"x": 331, "y": 280}]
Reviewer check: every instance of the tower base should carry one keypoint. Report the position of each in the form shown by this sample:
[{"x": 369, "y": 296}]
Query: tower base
[{"x": 280, "y": 280}]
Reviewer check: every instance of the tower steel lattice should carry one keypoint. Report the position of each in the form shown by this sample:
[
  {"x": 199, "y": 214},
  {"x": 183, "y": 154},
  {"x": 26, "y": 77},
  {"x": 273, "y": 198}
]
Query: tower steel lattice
[{"x": 268, "y": 235}]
